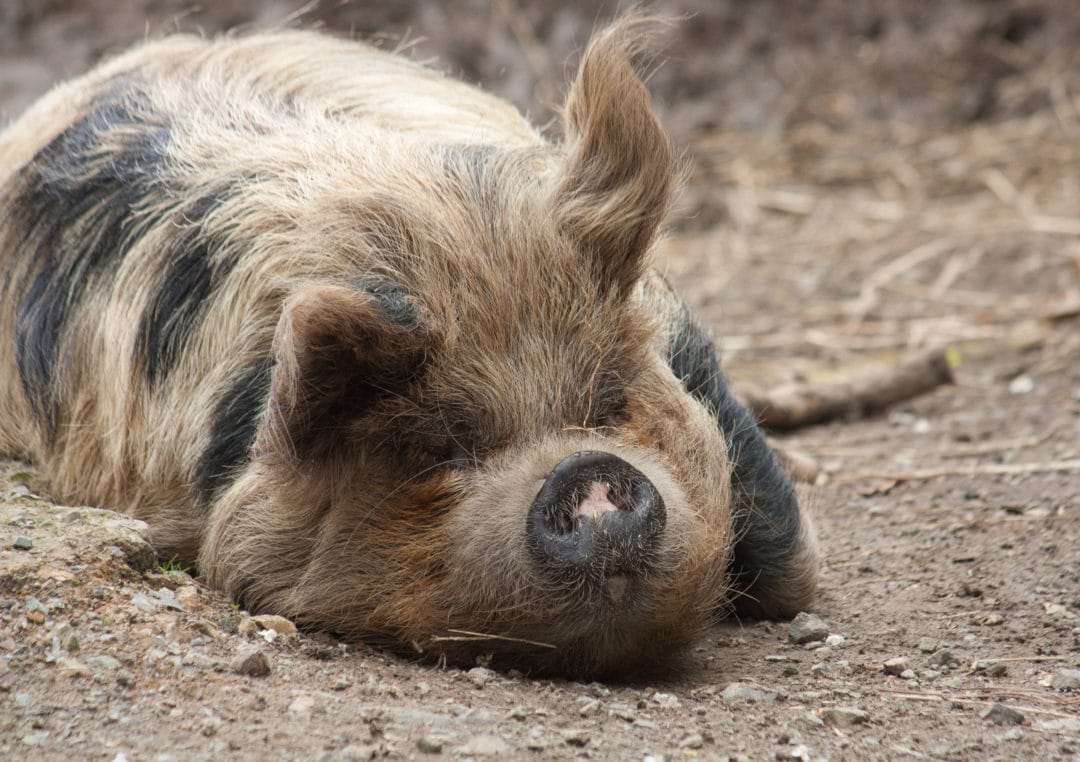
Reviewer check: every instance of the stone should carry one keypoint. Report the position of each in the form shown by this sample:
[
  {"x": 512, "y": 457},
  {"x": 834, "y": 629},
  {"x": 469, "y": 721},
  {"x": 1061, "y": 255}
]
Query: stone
[
  {"x": 576, "y": 737},
  {"x": 102, "y": 662},
  {"x": 745, "y": 693},
  {"x": 896, "y": 666},
  {"x": 251, "y": 662},
  {"x": 807, "y": 628},
  {"x": 999, "y": 714},
  {"x": 481, "y": 676},
  {"x": 943, "y": 657},
  {"x": 429, "y": 744},
  {"x": 1066, "y": 680},
  {"x": 844, "y": 716},
  {"x": 666, "y": 700},
  {"x": 278, "y": 624},
  {"x": 22, "y": 542},
  {"x": 692, "y": 741}
]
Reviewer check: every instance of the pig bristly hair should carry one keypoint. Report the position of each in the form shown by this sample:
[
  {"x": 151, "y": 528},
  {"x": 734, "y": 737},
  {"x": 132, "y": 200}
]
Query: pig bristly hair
[{"x": 328, "y": 321}]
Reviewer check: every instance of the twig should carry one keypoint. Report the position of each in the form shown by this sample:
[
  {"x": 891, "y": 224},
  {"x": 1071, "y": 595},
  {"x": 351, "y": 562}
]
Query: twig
[
  {"x": 799, "y": 405},
  {"x": 917, "y": 696},
  {"x": 992, "y": 469}
]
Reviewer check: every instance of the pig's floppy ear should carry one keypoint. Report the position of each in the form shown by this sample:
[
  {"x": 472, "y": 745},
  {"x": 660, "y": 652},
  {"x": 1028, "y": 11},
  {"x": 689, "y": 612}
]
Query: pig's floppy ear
[
  {"x": 620, "y": 172},
  {"x": 337, "y": 349}
]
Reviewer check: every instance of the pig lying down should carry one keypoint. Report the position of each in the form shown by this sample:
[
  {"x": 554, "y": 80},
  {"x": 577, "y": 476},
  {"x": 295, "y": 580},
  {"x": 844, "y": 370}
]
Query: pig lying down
[{"x": 369, "y": 352}]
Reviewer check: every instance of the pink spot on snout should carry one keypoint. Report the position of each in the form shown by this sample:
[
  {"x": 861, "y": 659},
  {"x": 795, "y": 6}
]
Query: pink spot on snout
[{"x": 597, "y": 502}]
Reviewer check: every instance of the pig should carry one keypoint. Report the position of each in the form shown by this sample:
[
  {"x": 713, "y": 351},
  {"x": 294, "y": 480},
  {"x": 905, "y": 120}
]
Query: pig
[{"x": 369, "y": 351}]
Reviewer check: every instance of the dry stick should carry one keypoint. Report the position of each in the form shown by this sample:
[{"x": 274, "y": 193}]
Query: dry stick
[
  {"x": 916, "y": 696},
  {"x": 798, "y": 405},
  {"x": 992, "y": 469}
]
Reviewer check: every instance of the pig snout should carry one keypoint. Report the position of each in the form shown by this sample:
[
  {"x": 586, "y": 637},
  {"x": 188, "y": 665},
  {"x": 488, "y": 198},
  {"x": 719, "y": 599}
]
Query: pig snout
[{"x": 596, "y": 515}]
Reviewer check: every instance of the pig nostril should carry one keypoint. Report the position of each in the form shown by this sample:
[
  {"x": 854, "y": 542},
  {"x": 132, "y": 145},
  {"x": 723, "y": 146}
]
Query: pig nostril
[{"x": 595, "y": 510}]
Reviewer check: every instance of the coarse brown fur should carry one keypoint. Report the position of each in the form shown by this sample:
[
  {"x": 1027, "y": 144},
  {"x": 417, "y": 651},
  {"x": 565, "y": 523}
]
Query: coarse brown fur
[{"x": 429, "y": 305}]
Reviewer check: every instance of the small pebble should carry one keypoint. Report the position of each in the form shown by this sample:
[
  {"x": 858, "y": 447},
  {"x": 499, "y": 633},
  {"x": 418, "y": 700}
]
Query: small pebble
[
  {"x": 896, "y": 666},
  {"x": 835, "y": 641},
  {"x": 692, "y": 741},
  {"x": 278, "y": 624},
  {"x": 745, "y": 693},
  {"x": 908, "y": 674},
  {"x": 1066, "y": 680},
  {"x": 429, "y": 744},
  {"x": 943, "y": 657},
  {"x": 844, "y": 716},
  {"x": 22, "y": 542},
  {"x": 999, "y": 714},
  {"x": 666, "y": 700},
  {"x": 481, "y": 676},
  {"x": 251, "y": 662},
  {"x": 589, "y": 708},
  {"x": 576, "y": 737},
  {"x": 806, "y": 628},
  {"x": 103, "y": 662}
]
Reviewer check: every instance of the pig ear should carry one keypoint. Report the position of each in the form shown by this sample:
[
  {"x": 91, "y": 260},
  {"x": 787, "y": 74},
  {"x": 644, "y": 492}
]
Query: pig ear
[
  {"x": 620, "y": 171},
  {"x": 337, "y": 350}
]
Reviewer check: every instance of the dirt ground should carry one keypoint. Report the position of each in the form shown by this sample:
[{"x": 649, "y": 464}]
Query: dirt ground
[{"x": 869, "y": 178}]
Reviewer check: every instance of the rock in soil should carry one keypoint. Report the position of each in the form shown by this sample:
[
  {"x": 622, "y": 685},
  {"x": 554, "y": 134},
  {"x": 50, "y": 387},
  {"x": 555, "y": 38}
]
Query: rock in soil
[
  {"x": 896, "y": 666},
  {"x": 806, "y": 628},
  {"x": 999, "y": 714},
  {"x": 844, "y": 716},
  {"x": 429, "y": 744},
  {"x": 278, "y": 624},
  {"x": 745, "y": 693},
  {"x": 251, "y": 662},
  {"x": 1066, "y": 680}
]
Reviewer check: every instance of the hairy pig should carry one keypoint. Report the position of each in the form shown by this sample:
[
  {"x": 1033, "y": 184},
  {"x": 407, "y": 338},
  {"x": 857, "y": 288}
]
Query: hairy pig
[{"x": 369, "y": 351}]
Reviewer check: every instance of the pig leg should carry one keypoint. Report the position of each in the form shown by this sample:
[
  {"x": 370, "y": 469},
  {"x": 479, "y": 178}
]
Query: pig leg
[{"x": 774, "y": 566}]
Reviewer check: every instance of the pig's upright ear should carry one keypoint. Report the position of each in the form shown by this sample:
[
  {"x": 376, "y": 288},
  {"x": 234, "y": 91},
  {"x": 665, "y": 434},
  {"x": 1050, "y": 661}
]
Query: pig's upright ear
[
  {"x": 620, "y": 172},
  {"x": 337, "y": 350}
]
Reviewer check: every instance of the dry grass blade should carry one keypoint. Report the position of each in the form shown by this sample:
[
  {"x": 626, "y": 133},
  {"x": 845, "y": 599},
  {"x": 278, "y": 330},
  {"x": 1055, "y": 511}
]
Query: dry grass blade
[{"x": 465, "y": 636}]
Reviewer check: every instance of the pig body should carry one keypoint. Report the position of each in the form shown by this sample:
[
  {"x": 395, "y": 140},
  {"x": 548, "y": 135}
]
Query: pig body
[{"x": 369, "y": 352}]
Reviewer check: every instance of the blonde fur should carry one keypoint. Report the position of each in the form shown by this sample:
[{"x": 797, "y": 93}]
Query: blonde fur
[{"x": 526, "y": 330}]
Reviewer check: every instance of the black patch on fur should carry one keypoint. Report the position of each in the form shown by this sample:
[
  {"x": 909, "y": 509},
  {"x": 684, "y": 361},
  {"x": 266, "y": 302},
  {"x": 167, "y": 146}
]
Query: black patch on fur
[
  {"x": 765, "y": 511},
  {"x": 193, "y": 272},
  {"x": 394, "y": 302},
  {"x": 74, "y": 203},
  {"x": 232, "y": 431}
]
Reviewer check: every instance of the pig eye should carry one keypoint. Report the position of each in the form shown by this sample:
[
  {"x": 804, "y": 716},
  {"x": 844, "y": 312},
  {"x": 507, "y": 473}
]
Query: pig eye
[{"x": 453, "y": 454}]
